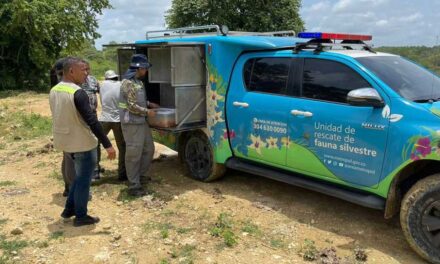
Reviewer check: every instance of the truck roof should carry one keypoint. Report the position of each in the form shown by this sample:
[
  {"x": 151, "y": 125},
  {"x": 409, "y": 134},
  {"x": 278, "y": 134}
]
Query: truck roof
[{"x": 244, "y": 42}]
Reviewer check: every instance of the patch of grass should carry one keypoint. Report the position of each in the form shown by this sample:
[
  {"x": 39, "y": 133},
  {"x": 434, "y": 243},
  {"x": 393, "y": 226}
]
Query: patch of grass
[
  {"x": 184, "y": 230},
  {"x": 168, "y": 212},
  {"x": 2, "y": 146},
  {"x": 223, "y": 228},
  {"x": 41, "y": 244},
  {"x": 185, "y": 254},
  {"x": 124, "y": 196},
  {"x": 8, "y": 246},
  {"x": 165, "y": 233},
  {"x": 7, "y": 183},
  {"x": 164, "y": 261},
  {"x": 277, "y": 243},
  {"x": 3, "y": 221},
  {"x": 56, "y": 235},
  {"x": 40, "y": 165},
  {"x": 251, "y": 228},
  {"x": 22, "y": 125},
  {"x": 164, "y": 228},
  {"x": 56, "y": 174},
  {"x": 9, "y": 93},
  {"x": 308, "y": 250}
]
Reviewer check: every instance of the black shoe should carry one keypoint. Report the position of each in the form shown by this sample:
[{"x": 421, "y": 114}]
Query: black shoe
[
  {"x": 86, "y": 220},
  {"x": 136, "y": 192},
  {"x": 66, "y": 190},
  {"x": 67, "y": 213},
  {"x": 122, "y": 178}
]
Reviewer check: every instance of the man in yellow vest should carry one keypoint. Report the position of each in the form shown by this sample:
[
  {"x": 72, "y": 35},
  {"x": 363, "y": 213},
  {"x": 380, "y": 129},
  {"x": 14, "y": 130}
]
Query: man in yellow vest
[{"x": 74, "y": 127}]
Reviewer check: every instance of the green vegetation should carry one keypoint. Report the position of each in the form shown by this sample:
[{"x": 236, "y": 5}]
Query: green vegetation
[
  {"x": 41, "y": 244},
  {"x": 55, "y": 174},
  {"x": 258, "y": 16},
  {"x": 308, "y": 250},
  {"x": 6, "y": 183},
  {"x": 185, "y": 254},
  {"x": 8, "y": 246},
  {"x": 428, "y": 57},
  {"x": 251, "y": 228},
  {"x": 21, "y": 125},
  {"x": 277, "y": 243},
  {"x": 164, "y": 228},
  {"x": 100, "y": 60},
  {"x": 223, "y": 228},
  {"x": 33, "y": 34},
  {"x": 56, "y": 235},
  {"x": 3, "y": 221}
]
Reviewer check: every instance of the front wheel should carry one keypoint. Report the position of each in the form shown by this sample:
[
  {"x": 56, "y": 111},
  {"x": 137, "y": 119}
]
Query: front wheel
[
  {"x": 420, "y": 217},
  {"x": 198, "y": 158}
]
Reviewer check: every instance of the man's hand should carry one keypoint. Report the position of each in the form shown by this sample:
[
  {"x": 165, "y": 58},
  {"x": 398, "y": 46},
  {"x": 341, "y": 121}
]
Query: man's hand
[
  {"x": 153, "y": 105},
  {"x": 151, "y": 113},
  {"x": 111, "y": 153}
]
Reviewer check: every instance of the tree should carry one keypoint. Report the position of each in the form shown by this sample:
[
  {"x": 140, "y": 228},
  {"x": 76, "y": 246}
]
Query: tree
[
  {"x": 34, "y": 32},
  {"x": 238, "y": 15},
  {"x": 100, "y": 60}
]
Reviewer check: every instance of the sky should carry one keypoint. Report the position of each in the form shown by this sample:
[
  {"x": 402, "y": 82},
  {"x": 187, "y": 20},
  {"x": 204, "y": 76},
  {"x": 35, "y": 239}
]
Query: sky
[{"x": 391, "y": 22}]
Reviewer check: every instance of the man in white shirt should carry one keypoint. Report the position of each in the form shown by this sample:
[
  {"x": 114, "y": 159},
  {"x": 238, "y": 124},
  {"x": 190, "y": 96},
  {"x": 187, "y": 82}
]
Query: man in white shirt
[{"x": 109, "y": 118}]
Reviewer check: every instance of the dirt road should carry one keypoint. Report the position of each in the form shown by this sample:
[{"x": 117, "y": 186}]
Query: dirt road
[{"x": 239, "y": 219}]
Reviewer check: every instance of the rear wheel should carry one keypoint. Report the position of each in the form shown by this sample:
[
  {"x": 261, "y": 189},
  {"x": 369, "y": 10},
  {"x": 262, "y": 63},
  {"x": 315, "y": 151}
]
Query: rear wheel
[
  {"x": 198, "y": 158},
  {"x": 420, "y": 217}
]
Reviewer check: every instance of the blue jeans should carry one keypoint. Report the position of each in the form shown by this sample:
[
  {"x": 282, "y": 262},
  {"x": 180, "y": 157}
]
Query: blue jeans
[{"x": 79, "y": 191}]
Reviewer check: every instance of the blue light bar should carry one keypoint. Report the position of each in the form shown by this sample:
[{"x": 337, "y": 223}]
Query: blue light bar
[
  {"x": 315, "y": 35},
  {"x": 339, "y": 36}
]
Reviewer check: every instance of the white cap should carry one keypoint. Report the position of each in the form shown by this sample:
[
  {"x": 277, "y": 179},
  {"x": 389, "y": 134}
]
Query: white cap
[{"x": 110, "y": 74}]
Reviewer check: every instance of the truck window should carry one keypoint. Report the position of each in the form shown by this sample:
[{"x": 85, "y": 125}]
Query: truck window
[
  {"x": 329, "y": 80},
  {"x": 405, "y": 77},
  {"x": 267, "y": 75}
]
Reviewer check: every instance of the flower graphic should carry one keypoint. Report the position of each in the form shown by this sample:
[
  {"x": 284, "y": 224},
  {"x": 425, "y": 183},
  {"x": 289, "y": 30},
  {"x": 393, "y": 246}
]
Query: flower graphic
[
  {"x": 218, "y": 117},
  {"x": 272, "y": 142},
  {"x": 214, "y": 97},
  {"x": 212, "y": 78},
  {"x": 230, "y": 134},
  {"x": 257, "y": 143},
  {"x": 285, "y": 141},
  {"x": 414, "y": 157},
  {"x": 423, "y": 146}
]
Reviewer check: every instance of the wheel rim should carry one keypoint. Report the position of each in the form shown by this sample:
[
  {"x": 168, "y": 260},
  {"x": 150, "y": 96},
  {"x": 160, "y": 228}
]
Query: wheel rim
[
  {"x": 198, "y": 157},
  {"x": 431, "y": 223}
]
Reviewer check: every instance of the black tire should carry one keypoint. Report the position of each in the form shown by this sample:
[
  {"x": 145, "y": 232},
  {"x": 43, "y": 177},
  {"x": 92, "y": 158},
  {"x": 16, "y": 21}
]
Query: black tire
[
  {"x": 420, "y": 218},
  {"x": 198, "y": 158}
]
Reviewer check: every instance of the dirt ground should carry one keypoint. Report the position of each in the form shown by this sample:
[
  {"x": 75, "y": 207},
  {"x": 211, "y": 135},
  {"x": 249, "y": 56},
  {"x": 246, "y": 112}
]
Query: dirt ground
[{"x": 240, "y": 218}]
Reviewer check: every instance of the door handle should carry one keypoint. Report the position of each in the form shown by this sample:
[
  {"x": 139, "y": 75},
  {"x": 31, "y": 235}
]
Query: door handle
[
  {"x": 301, "y": 113},
  {"x": 240, "y": 104}
]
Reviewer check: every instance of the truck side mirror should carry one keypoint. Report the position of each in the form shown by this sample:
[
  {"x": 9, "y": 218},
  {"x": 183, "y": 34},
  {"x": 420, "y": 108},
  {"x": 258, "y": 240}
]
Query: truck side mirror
[{"x": 365, "y": 97}]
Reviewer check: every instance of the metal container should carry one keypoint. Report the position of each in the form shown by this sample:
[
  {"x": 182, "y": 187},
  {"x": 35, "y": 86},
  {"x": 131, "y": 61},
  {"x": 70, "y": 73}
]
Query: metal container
[
  {"x": 164, "y": 117},
  {"x": 179, "y": 66}
]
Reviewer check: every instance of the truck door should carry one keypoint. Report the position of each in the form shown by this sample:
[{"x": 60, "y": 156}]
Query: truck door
[
  {"x": 258, "y": 108},
  {"x": 332, "y": 138}
]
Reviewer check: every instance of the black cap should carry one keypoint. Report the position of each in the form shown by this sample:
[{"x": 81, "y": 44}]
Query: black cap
[{"x": 139, "y": 61}]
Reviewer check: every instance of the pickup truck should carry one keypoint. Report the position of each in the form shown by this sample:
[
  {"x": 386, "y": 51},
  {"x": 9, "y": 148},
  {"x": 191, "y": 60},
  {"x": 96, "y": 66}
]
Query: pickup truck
[{"x": 322, "y": 111}]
